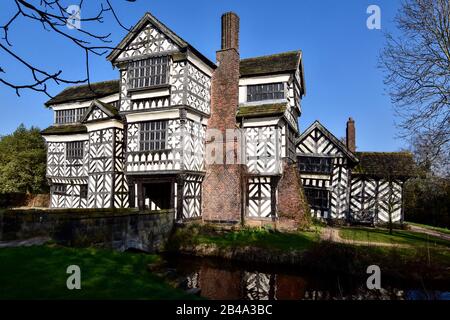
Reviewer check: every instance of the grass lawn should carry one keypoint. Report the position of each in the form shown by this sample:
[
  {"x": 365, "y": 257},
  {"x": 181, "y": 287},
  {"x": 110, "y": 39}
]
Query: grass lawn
[
  {"x": 261, "y": 238},
  {"x": 402, "y": 237},
  {"x": 442, "y": 230},
  {"x": 39, "y": 272}
]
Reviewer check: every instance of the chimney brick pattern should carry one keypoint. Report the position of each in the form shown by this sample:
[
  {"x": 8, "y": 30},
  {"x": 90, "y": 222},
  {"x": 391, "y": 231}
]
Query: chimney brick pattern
[
  {"x": 351, "y": 135},
  {"x": 223, "y": 191},
  {"x": 230, "y": 31}
]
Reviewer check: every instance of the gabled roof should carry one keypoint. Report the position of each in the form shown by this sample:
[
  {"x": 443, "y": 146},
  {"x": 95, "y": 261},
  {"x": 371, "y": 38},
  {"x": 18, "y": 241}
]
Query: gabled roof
[
  {"x": 149, "y": 18},
  {"x": 342, "y": 147},
  {"x": 85, "y": 92},
  {"x": 107, "y": 108},
  {"x": 262, "y": 110},
  {"x": 385, "y": 164},
  {"x": 64, "y": 129},
  {"x": 286, "y": 62}
]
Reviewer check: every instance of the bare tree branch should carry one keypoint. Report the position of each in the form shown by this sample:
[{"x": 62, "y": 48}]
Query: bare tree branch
[
  {"x": 53, "y": 16},
  {"x": 417, "y": 74}
]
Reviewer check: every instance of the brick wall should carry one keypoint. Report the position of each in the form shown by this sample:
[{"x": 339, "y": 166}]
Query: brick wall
[
  {"x": 222, "y": 192},
  {"x": 351, "y": 135},
  {"x": 292, "y": 203}
]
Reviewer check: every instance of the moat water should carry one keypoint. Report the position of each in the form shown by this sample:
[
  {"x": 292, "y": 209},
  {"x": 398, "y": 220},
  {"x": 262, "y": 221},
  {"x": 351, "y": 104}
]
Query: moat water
[{"x": 218, "y": 279}]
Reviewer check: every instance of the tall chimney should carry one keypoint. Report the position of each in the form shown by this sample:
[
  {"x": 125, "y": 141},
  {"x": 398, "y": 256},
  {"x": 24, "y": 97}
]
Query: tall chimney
[
  {"x": 230, "y": 31},
  {"x": 223, "y": 195},
  {"x": 351, "y": 135}
]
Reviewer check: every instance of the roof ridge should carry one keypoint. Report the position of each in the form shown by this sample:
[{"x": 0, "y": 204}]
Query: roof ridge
[
  {"x": 274, "y": 54},
  {"x": 385, "y": 152},
  {"x": 86, "y": 84},
  {"x": 94, "y": 89},
  {"x": 91, "y": 83}
]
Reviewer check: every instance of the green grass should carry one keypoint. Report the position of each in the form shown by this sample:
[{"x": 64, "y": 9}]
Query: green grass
[
  {"x": 401, "y": 237},
  {"x": 39, "y": 272},
  {"x": 261, "y": 238},
  {"x": 442, "y": 230}
]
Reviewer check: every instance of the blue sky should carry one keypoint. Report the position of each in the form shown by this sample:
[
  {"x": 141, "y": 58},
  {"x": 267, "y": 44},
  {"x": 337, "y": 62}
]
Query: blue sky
[{"x": 340, "y": 56}]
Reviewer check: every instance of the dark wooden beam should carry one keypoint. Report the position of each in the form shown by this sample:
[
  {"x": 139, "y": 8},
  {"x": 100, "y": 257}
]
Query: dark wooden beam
[
  {"x": 141, "y": 202},
  {"x": 180, "y": 185}
]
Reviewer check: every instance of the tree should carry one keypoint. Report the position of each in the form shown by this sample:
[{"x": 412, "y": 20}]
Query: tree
[
  {"x": 23, "y": 161},
  {"x": 427, "y": 200},
  {"x": 55, "y": 17},
  {"x": 431, "y": 161},
  {"x": 417, "y": 74}
]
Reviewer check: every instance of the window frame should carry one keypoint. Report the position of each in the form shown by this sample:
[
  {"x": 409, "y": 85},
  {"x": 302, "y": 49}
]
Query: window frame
[
  {"x": 148, "y": 72},
  {"x": 320, "y": 168},
  {"x": 69, "y": 115},
  {"x": 83, "y": 191},
  {"x": 57, "y": 191},
  {"x": 266, "y": 91},
  {"x": 74, "y": 150},
  {"x": 153, "y": 135},
  {"x": 318, "y": 201}
]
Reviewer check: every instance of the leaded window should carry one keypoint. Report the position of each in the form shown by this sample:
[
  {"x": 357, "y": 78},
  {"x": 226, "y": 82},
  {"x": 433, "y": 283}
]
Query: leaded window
[
  {"x": 153, "y": 135},
  {"x": 83, "y": 191},
  {"x": 317, "y": 198},
  {"x": 74, "y": 150},
  {"x": 69, "y": 115},
  {"x": 148, "y": 72},
  {"x": 315, "y": 164},
  {"x": 60, "y": 189},
  {"x": 269, "y": 91}
]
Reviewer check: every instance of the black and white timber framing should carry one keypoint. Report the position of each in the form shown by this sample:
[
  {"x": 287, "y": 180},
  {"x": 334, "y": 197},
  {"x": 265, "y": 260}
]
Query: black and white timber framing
[
  {"x": 362, "y": 187},
  {"x": 139, "y": 141}
]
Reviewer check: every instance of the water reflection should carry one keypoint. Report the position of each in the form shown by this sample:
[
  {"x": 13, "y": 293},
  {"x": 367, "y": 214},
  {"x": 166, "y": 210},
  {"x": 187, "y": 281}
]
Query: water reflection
[{"x": 218, "y": 280}]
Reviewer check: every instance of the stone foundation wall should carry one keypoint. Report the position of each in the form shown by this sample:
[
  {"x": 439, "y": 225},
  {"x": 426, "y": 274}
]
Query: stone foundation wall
[{"x": 119, "y": 230}]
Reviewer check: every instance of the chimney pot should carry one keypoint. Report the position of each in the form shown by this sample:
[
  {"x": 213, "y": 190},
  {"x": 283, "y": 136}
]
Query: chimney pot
[
  {"x": 351, "y": 135},
  {"x": 230, "y": 31}
]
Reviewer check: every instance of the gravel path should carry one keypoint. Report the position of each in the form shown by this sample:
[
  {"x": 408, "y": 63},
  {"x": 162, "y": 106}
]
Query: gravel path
[
  {"x": 430, "y": 232},
  {"x": 332, "y": 234}
]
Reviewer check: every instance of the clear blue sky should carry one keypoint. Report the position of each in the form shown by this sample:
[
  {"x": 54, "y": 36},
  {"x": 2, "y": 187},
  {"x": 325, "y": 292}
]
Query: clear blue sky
[{"x": 340, "y": 56}]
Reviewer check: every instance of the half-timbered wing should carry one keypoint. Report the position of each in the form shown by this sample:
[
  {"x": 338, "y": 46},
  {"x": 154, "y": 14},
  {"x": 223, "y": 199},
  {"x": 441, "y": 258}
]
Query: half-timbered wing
[{"x": 325, "y": 163}]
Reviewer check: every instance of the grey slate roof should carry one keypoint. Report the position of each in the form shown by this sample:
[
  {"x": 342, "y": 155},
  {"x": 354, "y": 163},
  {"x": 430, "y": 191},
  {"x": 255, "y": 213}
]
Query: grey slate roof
[
  {"x": 85, "y": 92},
  {"x": 385, "y": 164},
  {"x": 261, "y": 110},
  {"x": 272, "y": 64},
  {"x": 64, "y": 129}
]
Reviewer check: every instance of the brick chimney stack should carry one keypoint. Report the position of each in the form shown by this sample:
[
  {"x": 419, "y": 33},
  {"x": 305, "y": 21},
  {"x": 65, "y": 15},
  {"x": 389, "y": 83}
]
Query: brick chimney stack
[
  {"x": 223, "y": 191},
  {"x": 351, "y": 135},
  {"x": 230, "y": 31}
]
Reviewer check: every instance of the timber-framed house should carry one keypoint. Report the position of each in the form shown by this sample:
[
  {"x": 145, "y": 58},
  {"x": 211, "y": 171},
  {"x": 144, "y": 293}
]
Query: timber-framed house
[{"x": 143, "y": 141}]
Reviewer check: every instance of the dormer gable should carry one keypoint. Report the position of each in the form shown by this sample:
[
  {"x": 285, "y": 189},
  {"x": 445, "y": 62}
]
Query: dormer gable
[
  {"x": 318, "y": 141},
  {"x": 99, "y": 111},
  {"x": 151, "y": 37}
]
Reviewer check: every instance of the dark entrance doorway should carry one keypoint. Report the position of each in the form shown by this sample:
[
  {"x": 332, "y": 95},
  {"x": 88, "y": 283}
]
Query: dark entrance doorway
[
  {"x": 155, "y": 192},
  {"x": 157, "y": 196}
]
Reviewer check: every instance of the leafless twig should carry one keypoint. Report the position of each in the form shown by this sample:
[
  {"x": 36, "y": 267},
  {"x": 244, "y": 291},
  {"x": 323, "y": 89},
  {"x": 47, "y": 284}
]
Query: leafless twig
[{"x": 53, "y": 17}]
